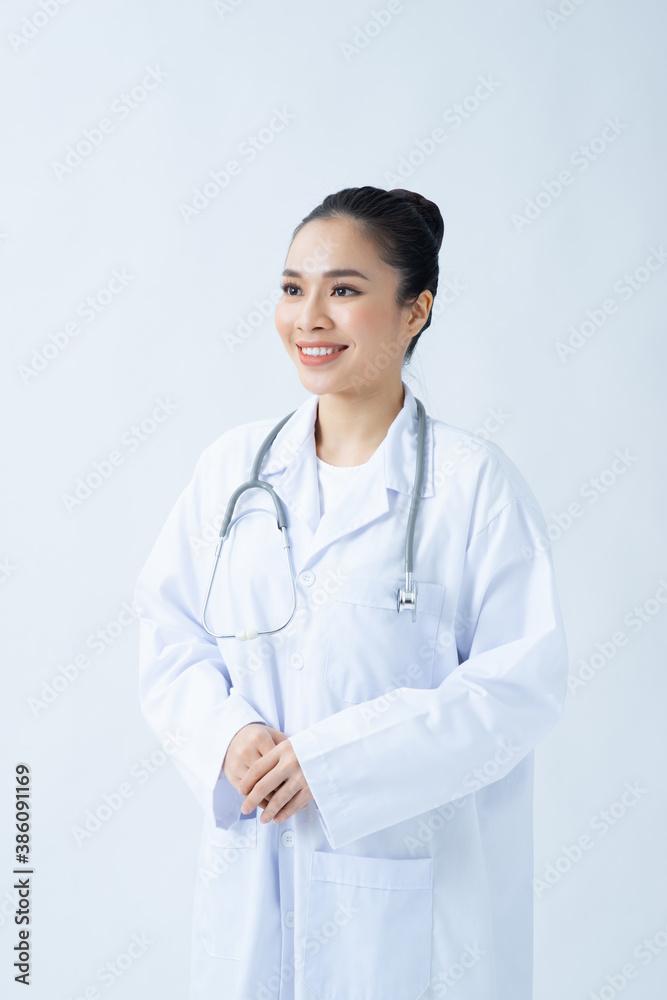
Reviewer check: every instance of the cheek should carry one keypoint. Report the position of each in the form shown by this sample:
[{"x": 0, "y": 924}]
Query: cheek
[
  {"x": 282, "y": 320},
  {"x": 358, "y": 320},
  {"x": 371, "y": 324}
]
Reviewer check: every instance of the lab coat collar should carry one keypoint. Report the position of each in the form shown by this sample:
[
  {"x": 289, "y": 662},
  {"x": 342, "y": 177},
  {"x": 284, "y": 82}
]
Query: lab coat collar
[{"x": 290, "y": 466}]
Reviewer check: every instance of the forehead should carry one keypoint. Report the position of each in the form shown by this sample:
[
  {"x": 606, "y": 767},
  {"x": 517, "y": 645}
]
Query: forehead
[{"x": 323, "y": 245}]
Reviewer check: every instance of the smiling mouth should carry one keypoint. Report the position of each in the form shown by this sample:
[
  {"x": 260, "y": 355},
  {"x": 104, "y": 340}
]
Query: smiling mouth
[{"x": 318, "y": 352}]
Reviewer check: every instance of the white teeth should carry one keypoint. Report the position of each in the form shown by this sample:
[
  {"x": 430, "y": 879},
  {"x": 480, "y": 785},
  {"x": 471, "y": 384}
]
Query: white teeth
[{"x": 316, "y": 352}]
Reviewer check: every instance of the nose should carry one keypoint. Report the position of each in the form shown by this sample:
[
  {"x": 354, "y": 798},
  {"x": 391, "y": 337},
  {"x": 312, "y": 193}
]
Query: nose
[{"x": 312, "y": 314}]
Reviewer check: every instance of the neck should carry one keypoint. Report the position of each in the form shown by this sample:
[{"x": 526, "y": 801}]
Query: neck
[{"x": 349, "y": 429}]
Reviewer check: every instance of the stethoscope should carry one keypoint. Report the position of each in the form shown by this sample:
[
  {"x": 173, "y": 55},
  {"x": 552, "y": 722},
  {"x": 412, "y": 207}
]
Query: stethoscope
[{"x": 406, "y": 597}]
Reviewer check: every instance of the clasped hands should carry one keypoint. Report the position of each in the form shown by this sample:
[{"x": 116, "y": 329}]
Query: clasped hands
[{"x": 260, "y": 763}]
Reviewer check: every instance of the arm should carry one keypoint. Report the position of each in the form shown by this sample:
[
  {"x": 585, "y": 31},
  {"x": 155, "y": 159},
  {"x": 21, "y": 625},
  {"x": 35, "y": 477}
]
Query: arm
[
  {"x": 184, "y": 685},
  {"x": 379, "y": 763}
]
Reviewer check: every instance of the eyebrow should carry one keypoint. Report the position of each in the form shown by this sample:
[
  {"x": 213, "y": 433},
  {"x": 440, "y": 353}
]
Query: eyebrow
[{"x": 341, "y": 272}]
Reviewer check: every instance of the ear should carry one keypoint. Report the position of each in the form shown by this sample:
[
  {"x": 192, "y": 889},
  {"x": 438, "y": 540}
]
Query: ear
[{"x": 419, "y": 312}]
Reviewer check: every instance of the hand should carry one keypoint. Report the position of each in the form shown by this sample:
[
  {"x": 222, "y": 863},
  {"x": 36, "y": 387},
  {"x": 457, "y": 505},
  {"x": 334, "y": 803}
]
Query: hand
[
  {"x": 245, "y": 747},
  {"x": 275, "y": 778}
]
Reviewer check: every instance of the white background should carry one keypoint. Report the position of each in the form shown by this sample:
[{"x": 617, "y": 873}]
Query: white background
[{"x": 187, "y": 329}]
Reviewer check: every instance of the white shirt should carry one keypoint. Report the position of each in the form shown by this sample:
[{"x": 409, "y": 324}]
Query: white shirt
[
  {"x": 333, "y": 481},
  {"x": 409, "y": 874}
]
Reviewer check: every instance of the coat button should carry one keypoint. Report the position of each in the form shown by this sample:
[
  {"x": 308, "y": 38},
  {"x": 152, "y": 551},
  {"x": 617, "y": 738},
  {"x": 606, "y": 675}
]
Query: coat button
[
  {"x": 289, "y": 918},
  {"x": 307, "y": 578},
  {"x": 288, "y": 838},
  {"x": 296, "y": 659}
]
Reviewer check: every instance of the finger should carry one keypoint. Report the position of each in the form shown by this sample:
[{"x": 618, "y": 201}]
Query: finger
[
  {"x": 284, "y": 764},
  {"x": 265, "y": 740},
  {"x": 263, "y": 789},
  {"x": 235, "y": 770},
  {"x": 257, "y": 770},
  {"x": 264, "y": 803},
  {"x": 295, "y": 804},
  {"x": 241, "y": 769},
  {"x": 279, "y": 799},
  {"x": 278, "y": 736}
]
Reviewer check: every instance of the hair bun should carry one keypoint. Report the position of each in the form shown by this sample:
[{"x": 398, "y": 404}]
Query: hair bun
[{"x": 428, "y": 210}]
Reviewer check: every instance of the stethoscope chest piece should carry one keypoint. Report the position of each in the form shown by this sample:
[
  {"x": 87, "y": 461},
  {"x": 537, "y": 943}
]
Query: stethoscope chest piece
[{"x": 406, "y": 599}]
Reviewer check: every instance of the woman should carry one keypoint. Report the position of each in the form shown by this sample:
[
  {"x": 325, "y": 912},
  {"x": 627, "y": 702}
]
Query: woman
[{"x": 365, "y": 773}]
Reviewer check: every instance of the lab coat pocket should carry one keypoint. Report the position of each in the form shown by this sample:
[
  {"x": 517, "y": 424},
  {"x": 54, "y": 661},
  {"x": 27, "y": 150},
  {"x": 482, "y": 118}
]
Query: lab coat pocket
[
  {"x": 368, "y": 927},
  {"x": 227, "y": 864},
  {"x": 373, "y": 648}
]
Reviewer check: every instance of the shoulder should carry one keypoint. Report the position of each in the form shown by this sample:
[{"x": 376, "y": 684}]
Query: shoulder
[
  {"x": 479, "y": 469},
  {"x": 232, "y": 448},
  {"x": 224, "y": 464}
]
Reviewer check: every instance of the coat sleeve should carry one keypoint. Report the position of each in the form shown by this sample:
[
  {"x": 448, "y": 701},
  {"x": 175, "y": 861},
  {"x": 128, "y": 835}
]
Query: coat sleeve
[
  {"x": 384, "y": 761},
  {"x": 184, "y": 686}
]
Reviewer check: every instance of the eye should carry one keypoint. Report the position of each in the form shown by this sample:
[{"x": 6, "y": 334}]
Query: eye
[{"x": 286, "y": 286}]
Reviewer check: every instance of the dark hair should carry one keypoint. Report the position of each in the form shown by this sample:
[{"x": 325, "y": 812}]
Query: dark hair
[{"x": 407, "y": 230}]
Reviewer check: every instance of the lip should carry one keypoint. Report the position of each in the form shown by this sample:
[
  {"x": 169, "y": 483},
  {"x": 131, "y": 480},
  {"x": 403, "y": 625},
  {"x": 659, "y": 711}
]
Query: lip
[
  {"x": 319, "y": 343},
  {"x": 324, "y": 359}
]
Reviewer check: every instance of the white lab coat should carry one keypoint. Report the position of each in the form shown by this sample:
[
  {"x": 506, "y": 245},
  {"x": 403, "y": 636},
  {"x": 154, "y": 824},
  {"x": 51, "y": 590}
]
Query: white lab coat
[{"x": 409, "y": 875}]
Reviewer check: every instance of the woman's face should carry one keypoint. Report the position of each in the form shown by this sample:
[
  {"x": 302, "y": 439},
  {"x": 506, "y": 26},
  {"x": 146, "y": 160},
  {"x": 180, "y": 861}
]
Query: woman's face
[{"x": 353, "y": 313}]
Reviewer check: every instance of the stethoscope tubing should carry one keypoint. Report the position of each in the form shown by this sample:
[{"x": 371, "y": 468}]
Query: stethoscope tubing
[{"x": 405, "y": 599}]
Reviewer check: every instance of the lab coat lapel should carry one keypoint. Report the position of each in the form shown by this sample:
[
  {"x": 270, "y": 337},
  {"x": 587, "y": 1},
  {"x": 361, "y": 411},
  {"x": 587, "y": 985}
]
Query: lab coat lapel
[
  {"x": 390, "y": 467},
  {"x": 364, "y": 501},
  {"x": 291, "y": 467}
]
